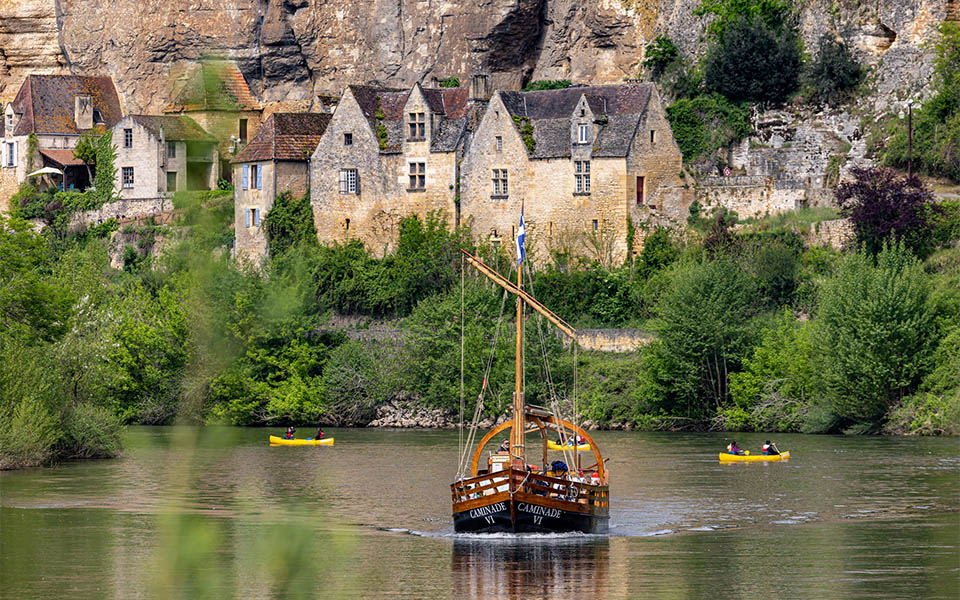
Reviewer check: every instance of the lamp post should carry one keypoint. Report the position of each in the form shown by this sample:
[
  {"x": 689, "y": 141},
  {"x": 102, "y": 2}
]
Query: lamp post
[{"x": 909, "y": 105}]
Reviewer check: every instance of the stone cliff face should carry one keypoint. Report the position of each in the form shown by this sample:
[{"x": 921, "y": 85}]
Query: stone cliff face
[{"x": 289, "y": 49}]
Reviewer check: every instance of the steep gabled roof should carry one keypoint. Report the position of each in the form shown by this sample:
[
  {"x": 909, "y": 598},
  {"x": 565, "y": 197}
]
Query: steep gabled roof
[
  {"x": 212, "y": 85},
  {"x": 285, "y": 136},
  {"x": 177, "y": 128},
  {"x": 619, "y": 108},
  {"x": 47, "y": 103},
  {"x": 452, "y": 109}
]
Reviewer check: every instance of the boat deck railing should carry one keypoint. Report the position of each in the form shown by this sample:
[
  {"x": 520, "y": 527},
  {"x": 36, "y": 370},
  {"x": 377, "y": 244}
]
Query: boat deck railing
[{"x": 569, "y": 489}]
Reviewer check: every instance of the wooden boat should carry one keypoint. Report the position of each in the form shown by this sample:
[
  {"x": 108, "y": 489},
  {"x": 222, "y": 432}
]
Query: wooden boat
[
  {"x": 727, "y": 457},
  {"x": 505, "y": 494},
  {"x": 551, "y": 445},
  {"x": 279, "y": 441}
]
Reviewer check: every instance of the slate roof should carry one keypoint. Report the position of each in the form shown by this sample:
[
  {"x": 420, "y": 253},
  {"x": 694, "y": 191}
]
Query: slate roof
[
  {"x": 213, "y": 85},
  {"x": 285, "y": 136},
  {"x": 452, "y": 110},
  {"x": 619, "y": 109},
  {"x": 47, "y": 103},
  {"x": 177, "y": 128}
]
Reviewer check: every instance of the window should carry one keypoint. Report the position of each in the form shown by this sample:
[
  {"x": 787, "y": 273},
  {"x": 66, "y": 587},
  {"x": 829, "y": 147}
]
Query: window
[
  {"x": 171, "y": 181},
  {"x": 418, "y": 175},
  {"x": 346, "y": 225},
  {"x": 10, "y": 154},
  {"x": 252, "y": 177},
  {"x": 171, "y": 149},
  {"x": 500, "y": 183},
  {"x": 584, "y": 133},
  {"x": 499, "y": 144},
  {"x": 10, "y": 124},
  {"x": 581, "y": 176},
  {"x": 243, "y": 130},
  {"x": 653, "y": 136},
  {"x": 596, "y": 225},
  {"x": 128, "y": 176},
  {"x": 417, "y": 126},
  {"x": 252, "y": 217},
  {"x": 98, "y": 116},
  {"x": 639, "y": 191},
  {"x": 348, "y": 139},
  {"x": 128, "y": 138},
  {"x": 348, "y": 181}
]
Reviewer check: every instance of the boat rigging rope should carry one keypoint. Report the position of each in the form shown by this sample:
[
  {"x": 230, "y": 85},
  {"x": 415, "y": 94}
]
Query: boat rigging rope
[
  {"x": 460, "y": 441},
  {"x": 478, "y": 409}
]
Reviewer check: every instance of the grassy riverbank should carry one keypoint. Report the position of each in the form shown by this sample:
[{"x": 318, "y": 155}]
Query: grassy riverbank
[{"x": 756, "y": 330}]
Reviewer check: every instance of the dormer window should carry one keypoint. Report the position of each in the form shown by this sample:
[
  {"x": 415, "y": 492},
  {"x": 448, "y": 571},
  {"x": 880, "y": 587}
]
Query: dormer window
[
  {"x": 98, "y": 116},
  {"x": 583, "y": 135},
  {"x": 418, "y": 127},
  {"x": 10, "y": 124}
]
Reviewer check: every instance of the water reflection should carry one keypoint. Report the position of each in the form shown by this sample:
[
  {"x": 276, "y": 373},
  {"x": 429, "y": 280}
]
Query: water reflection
[{"x": 531, "y": 566}]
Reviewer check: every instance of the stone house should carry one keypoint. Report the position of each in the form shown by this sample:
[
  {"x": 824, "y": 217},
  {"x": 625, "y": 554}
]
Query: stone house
[
  {"x": 160, "y": 154},
  {"x": 581, "y": 161},
  {"x": 276, "y": 160},
  {"x": 56, "y": 110},
  {"x": 216, "y": 95},
  {"x": 389, "y": 153}
]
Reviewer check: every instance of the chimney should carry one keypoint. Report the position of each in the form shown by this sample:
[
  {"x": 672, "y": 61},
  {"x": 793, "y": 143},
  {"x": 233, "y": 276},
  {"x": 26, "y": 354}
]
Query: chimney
[
  {"x": 478, "y": 87},
  {"x": 83, "y": 112}
]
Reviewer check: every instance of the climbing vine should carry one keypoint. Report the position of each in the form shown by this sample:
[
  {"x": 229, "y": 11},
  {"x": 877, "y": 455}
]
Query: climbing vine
[{"x": 526, "y": 132}]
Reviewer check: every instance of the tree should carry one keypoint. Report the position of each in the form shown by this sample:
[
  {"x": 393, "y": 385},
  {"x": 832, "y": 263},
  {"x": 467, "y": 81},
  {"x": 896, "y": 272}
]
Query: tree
[
  {"x": 659, "y": 55},
  {"x": 875, "y": 334},
  {"x": 704, "y": 335},
  {"x": 703, "y": 124},
  {"x": 106, "y": 174},
  {"x": 882, "y": 206},
  {"x": 86, "y": 151},
  {"x": 289, "y": 222},
  {"x": 834, "y": 73},
  {"x": 753, "y": 61}
]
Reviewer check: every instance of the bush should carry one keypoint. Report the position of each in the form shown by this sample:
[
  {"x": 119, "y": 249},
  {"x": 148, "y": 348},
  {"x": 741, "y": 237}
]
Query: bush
[
  {"x": 926, "y": 414},
  {"x": 546, "y": 84},
  {"x": 29, "y": 404},
  {"x": 91, "y": 432},
  {"x": 357, "y": 379},
  {"x": 884, "y": 207},
  {"x": 289, "y": 222},
  {"x": 707, "y": 123},
  {"x": 659, "y": 55},
  {"x": 876, "y": 333},
  {"x": 834, "y": 73},
  {"x": 753, "y": 62}
]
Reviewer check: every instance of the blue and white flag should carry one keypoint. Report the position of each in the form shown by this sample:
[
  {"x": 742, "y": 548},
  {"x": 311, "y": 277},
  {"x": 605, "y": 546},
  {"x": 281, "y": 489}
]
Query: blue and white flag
[{"x": 521, "y": 233}]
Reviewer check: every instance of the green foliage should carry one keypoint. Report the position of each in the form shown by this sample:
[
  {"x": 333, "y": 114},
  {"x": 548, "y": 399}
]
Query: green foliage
[
  {"x": 91, "y": 432},
  {"x": 449, "y": 82},
  {"x": 936, "y": 125},
  {"x": 926, "y": 414},
  {"x": 106, "y": 172},
  {"x": 707, "y": 123},
  {"x": 608, "y": 387},
  {"x": 834, "y": 73},
  {"x": 597, "y": 296},
  {"x": 773, "y": 13},
  {"x": 526, "y": 132},
  {"x": 659, "y": 252},
  {"x": 86, "y": 150},
  {"x": 381, "y": 135},
  {"x": 704, "y": 328},
  {"x": 751, "y": 61},
  {"x": 358, "y": 378},
  {"x": 29, "y": 303},
  {"x": 778, "y": 380},
  {"x": 546, "y": 84},
  {"x": 29, "y": 407},
  {"x": 875, "y": 334},
  {"x": 659, "y": 55},
  {"x": 289, "y": 222}
]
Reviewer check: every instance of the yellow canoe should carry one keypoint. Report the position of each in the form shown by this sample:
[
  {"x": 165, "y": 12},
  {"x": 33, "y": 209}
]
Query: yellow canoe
[
  {"x": 727, "y": 457},
  {"x": 279, "y": 441},
  {"x": 555, "y": 446}
]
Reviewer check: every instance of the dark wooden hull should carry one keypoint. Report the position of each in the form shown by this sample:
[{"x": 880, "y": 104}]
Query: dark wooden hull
[{"x": 532, "y": 508}]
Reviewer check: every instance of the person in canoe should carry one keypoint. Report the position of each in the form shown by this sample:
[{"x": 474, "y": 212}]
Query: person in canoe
[
  {"x": 769, "y": 448},
  {"x": 570, "y": 439},
  {"x": 319, "y": 435},
  {"x": 733, "y": 448},
  {"x": 288, "y": 434}
]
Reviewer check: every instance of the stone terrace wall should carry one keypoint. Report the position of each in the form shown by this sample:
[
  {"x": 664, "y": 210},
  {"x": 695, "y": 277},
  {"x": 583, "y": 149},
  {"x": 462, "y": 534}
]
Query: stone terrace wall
[
  {"x": 123, "y": 211},
  {"x": 752, "y": 195},
  {"x": 611, "y": 340}
]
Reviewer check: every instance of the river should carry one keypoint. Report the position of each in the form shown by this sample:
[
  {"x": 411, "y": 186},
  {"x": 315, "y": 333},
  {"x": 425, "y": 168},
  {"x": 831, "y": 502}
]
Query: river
[{"x": 216, "y": 513}]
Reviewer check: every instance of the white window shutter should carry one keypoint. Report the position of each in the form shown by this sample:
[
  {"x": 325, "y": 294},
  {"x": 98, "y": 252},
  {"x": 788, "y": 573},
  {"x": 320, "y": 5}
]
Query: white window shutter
[
  {"x": 260, "y": 177},
  {"x": 244, "y": 178},
  {"x": 3, "y": 155}
]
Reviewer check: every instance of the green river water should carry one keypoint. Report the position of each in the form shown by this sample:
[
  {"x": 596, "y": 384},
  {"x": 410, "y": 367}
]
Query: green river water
[{"x": 217, "y": 513}]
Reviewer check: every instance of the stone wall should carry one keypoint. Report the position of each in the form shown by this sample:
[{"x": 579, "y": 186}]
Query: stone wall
[
  {"x": 611, "y": 340},
  {"x": 836, "y": 233},
  {"x": 751, "y": 196},
  {"x": 123, "y": 211},
  {"x": 145, "y": 156}
]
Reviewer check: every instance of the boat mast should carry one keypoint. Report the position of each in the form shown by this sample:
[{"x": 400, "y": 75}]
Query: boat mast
[{"x": 516, "y": 436}]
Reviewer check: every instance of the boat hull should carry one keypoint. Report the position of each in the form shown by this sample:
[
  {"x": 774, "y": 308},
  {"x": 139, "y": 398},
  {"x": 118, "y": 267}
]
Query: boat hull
[
  {"x": 726, "y": 457},
  {"x": 279, "y": 441},
  {"x": 526, "y": 516}
]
